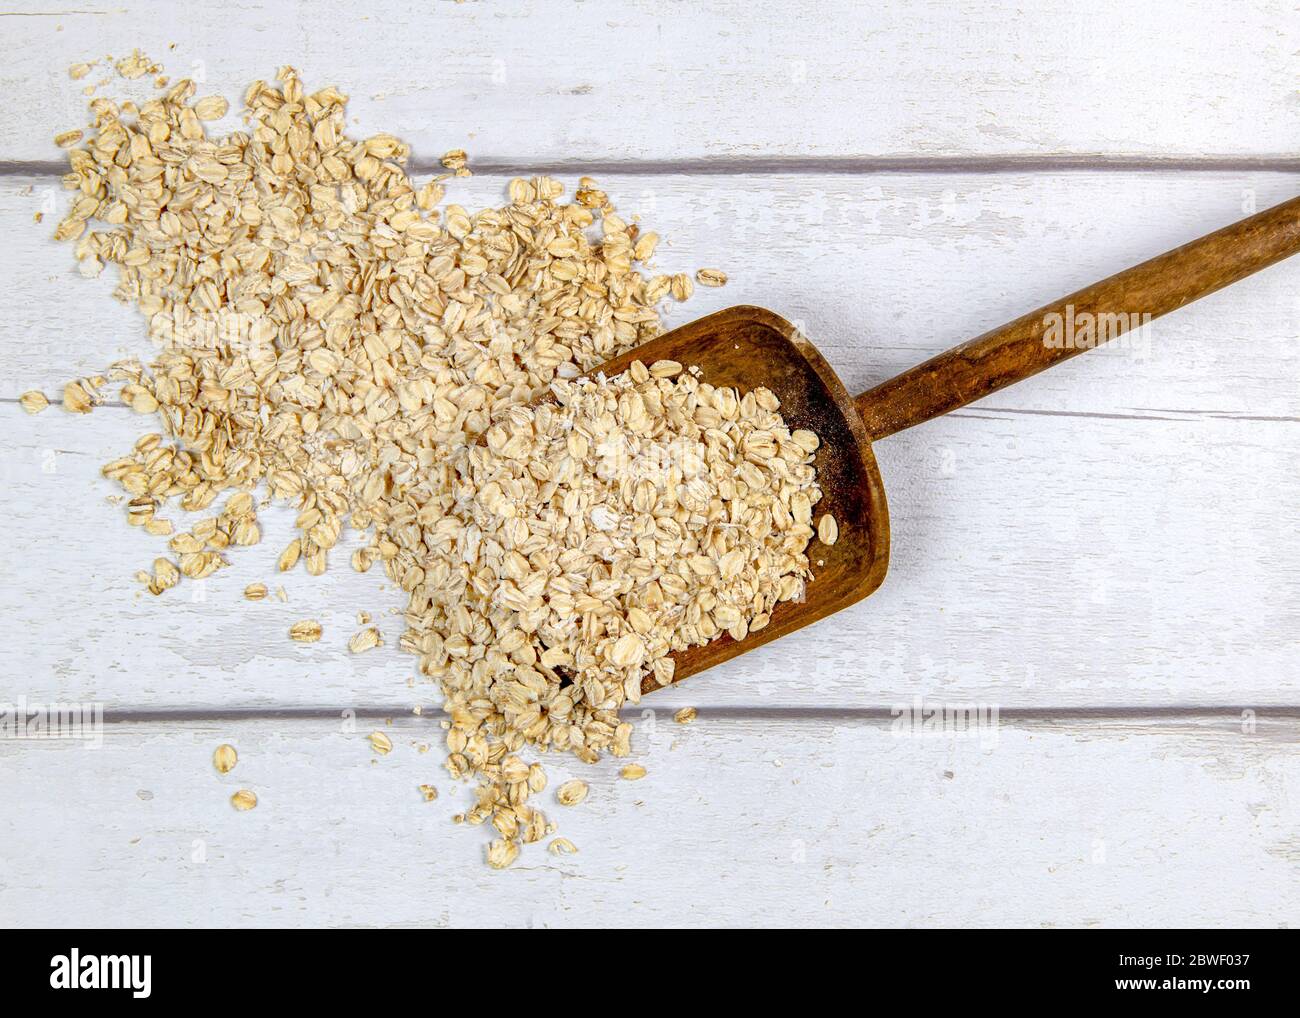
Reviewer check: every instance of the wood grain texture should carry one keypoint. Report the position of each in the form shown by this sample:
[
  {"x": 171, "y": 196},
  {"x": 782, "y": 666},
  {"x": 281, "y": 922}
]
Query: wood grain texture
[
  {"x": 542, "y": 82},
  {"x": 1062, "y": 547},
  {"x": 740, "y": 821}
]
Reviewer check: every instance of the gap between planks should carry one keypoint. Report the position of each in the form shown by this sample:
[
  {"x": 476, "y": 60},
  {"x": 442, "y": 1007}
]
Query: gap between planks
[
  {"x": 1011, "y": 715},
  {"x": 831, "y": 165},
  {"x": 976, "y": 412}
]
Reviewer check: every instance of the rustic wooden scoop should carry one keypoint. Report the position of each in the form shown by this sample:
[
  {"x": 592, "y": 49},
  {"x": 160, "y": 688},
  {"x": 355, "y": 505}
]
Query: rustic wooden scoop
[{"x": 750, "y": 346}]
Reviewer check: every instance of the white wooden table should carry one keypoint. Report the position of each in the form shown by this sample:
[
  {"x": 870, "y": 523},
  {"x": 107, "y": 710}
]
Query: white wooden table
[{"x": 1106, "y": 553}]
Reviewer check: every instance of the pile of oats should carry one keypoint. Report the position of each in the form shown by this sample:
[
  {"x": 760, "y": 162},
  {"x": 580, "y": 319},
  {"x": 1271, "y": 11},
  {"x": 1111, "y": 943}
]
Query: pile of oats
[
  {"x": 327, "y": 329},
  {"x": 588, "y": 538}
]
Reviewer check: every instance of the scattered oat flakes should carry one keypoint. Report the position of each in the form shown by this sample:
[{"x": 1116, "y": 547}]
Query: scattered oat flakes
[
  {"x": 139, "y": 399},
  {"x": 429, "y": 792},
  {"x": 224, "y": 758},
  {"x": 137, "y": 65},
  {"x": 711, "y": 277},
  {"x": 632, "y": 772},
  {"x": 380, "y": 334},
  {"x": 828, "y": 531},
  {"x": 255, "y": 591},
  {"x": 456, "y": 160},
  {"x": 243, "y": 800},
  {"x": 686, "y": 715},
  {"x": 165, "y": 576},
  {"x": 381, "y": 743},
  {"x": 140, "y": 510},
  {"x": 199, "y": 565},
  {"x": 561, "y": 846}
]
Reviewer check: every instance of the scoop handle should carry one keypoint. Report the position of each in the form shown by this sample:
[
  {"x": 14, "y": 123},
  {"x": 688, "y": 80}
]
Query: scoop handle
[{"x": 1060, "y": 330}]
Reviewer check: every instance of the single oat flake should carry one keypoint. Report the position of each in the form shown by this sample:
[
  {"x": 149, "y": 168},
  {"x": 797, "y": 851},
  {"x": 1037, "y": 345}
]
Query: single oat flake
[
  {"x": 243, "y": 800},
  {"x": 224, "y": 758},
  {"x": 364, "y": 640},
  {"x": 501, "y": 853},
  {"x": 33, "y": 401},
  {"x": 306, "y": 631},
  {"x": 77, "y": 398},
  {"x": 571, "y": 792},
  {"x": 211, "y": 107}
]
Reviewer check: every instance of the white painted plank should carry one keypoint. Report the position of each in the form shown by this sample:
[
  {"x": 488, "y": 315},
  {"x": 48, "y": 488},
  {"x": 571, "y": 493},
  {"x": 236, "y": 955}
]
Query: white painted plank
[
  {"x": 1016, "y": 579},
  {"x": 882, "y": 271},
  {"x": 740, "y": 822},
  {"x": 643, "y": 80},
  {"x": 1117, "y": 533}
]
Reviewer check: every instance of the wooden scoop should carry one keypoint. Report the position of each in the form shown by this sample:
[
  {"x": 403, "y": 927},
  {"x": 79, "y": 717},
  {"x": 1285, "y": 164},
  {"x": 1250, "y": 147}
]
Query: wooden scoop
[{"x": 748, "y": 347}]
